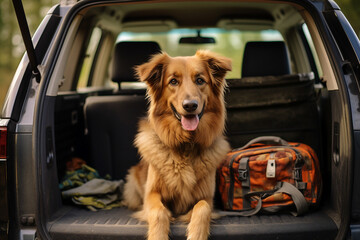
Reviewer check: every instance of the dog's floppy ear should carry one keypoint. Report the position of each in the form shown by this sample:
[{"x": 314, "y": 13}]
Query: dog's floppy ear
[
  {"x": 151, "y": 72},
  {"x": 218, "y": 66}
]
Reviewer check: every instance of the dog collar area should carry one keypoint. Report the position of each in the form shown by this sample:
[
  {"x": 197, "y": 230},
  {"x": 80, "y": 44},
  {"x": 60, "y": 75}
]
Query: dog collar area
[{"x": 178, "y": 116}]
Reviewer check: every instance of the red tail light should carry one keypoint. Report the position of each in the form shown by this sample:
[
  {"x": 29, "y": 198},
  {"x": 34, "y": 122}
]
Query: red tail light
[{"x": 3, "y": 136}]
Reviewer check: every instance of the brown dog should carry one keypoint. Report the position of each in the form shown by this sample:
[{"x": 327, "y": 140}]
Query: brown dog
[{"x": 181, "y": 143}]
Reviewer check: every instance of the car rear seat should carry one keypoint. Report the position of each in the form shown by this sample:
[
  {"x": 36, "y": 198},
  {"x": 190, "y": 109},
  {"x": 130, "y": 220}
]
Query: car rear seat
[
  {"x": 265, "y": 59},
  {"x": 112, "y": 120},
  {"x": 127, "y": 55},
  {"x": 269, "y": 100}
]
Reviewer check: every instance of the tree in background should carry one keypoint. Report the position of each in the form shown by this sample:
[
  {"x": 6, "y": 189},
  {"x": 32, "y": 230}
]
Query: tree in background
[
  {"x": 351, "y": 9},
  {"x": 12, "y": 47},
  {"x": 10, "y": 37}
]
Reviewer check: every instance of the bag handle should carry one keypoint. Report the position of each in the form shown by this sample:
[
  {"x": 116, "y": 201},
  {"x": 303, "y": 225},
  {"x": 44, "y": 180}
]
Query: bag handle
[{"x": 269, "y": 140}]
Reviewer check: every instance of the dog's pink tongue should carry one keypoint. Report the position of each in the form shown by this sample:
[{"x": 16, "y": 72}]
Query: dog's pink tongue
[{"x": 190, "y": 123}]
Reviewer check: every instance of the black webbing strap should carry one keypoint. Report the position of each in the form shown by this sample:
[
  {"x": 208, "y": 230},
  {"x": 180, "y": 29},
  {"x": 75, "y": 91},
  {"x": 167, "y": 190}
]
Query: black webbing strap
[{"x": 24, "y": 29}]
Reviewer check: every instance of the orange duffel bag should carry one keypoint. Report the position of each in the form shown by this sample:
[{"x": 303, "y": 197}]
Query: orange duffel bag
[{"x": 270, "y": 175}]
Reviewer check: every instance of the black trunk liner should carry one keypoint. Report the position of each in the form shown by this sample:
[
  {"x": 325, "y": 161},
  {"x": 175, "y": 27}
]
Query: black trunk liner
[{"x": 77, "y": 223}]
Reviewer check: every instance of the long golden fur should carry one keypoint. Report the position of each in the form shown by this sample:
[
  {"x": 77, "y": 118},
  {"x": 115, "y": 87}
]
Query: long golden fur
[{"x": 181, "y": 143}]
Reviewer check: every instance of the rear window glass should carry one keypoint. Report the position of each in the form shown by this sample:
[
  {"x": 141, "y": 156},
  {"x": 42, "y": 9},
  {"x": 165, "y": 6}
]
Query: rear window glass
[{"x": 229, "y": 43}]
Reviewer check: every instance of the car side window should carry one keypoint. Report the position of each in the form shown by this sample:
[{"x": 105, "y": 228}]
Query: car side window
[
  {"x": 312, "y": 55},
  {"x": 89, "y": 59}
]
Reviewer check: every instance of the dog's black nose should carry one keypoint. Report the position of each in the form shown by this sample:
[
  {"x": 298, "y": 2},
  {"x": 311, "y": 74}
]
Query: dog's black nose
[{"x": 190, "y": 105}]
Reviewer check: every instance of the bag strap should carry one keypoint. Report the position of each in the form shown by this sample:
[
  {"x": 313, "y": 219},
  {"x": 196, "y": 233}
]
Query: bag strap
[
  {"x": 268, "y": 140},
  {"x": 282, "y": 187},
  {"x": 298, "y": 198},
  {"x": 241, "y": 213},
  {"x": 244, "y": 177}
]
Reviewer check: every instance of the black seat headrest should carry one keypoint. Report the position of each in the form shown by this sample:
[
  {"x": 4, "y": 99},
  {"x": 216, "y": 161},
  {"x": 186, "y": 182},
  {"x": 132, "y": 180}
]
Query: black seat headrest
[
  {"x": 129, "y": 54},
  {"x": 265, "y": 59}
]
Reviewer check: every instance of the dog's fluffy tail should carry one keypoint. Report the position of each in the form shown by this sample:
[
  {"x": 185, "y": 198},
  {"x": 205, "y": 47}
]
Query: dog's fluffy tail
[{"x": 133, "y": 192}]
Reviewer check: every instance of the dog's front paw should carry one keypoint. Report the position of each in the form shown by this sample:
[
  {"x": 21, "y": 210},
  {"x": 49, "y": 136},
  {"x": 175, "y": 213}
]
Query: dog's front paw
[
  {"x": 159, "y": 223},
  {"x": 199, "y": 226}
]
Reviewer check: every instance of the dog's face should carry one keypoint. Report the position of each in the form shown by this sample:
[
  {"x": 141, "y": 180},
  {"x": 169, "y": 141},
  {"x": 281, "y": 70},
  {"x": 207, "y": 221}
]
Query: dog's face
[
  {"x": 186, "y": 94},
  {"x": 186, "y": 87}
]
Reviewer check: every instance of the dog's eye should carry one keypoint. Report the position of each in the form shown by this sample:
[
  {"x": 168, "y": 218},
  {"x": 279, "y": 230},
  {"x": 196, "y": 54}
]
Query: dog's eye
[
  {"x": 200, "y": 81},
  {"x": 174, "y": 82}
]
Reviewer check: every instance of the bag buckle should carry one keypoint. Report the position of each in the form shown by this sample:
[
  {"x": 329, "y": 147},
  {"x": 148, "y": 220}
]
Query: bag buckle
[
  {"x": 243, "y": 174},
  {"x": 297, "y": 174}
]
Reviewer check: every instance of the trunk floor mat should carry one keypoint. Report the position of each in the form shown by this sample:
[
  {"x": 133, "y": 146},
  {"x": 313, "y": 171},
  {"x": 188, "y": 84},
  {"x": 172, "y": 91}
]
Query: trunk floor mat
[{"x": 72, "y": 222}]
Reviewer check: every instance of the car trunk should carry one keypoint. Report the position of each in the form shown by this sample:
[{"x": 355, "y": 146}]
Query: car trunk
[{"x": 66, "y": 220}]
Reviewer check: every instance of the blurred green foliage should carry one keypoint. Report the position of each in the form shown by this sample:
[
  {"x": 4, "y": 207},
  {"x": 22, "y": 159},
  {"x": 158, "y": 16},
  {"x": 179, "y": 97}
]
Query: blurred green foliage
[
  {"x": 12, "y": 47},
  {"x": 351, "y": 9}
]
